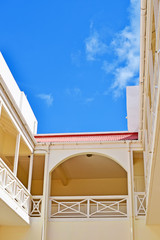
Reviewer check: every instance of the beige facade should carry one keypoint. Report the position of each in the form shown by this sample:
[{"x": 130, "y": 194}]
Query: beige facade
[{"x": 87, "y": 185}]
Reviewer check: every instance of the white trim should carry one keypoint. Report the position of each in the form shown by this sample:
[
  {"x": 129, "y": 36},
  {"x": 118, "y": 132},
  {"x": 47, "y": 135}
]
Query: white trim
[
  {"x": 30, "y": 172},
  {"x": 15, "y": 167}
]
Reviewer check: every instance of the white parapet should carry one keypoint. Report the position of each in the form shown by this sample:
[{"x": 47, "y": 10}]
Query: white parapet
[
  {"x": 12, "y": 89},
  {"x": 133, "y": 108}
]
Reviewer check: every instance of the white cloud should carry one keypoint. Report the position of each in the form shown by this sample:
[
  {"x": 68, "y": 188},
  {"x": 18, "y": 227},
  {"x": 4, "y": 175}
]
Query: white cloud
[
  {"x": 126, "y": 50},
  {"x": 88, "y": 100},
  {"x": 94, "y": 46},
  {"x": 76, "y": 58},
  {"x": 48, "y": 98},
  {"x": 73, "y": 91}
]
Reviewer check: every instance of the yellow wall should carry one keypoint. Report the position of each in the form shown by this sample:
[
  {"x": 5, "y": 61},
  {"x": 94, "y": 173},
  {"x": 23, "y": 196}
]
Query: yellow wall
[
  {"x": 22, "y": 174},
  {"x": 82, "y": 230},
  {"x": 146, "y": 232},
  {"x": 83, "y": 187},
  {"x": 9, "y": 144},
  {"x": 89, "y": 230},
  {"x": 1, "y": 140},
  {"x": 138, "y": 166},
  {"x": 21, "y": 232},
  {"x": 37, "y": 187}
]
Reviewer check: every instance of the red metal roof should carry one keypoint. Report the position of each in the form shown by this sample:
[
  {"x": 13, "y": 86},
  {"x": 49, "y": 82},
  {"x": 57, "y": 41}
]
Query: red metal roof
[{"x": 87, "y": 137}]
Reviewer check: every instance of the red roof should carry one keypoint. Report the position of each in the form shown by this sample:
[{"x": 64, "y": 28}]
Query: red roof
[{"x": 87, "y": 137}]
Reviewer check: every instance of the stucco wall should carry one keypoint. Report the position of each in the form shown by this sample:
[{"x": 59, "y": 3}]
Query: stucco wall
[
  {"x": 85, "y": 187},
  {"x": 117, "y": 153},
  {"x": 146, "y": 232},
  {"x": 82, "y": 230},
  {"x": 89, "y": 230},
  {"x": 32, "y": 232}
]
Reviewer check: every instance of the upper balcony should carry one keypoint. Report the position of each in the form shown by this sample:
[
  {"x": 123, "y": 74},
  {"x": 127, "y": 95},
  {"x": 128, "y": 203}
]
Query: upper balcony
[
  {"x": 14, "y": 198},
  {"x": 17, "y": 97}
]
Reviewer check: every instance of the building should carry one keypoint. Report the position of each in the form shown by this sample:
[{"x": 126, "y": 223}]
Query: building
[{"x": 84, "y": 185}]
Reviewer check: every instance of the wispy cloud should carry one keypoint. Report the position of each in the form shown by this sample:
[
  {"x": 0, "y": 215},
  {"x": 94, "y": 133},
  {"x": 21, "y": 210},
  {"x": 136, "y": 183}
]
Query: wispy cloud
[
  {"x": 94, "y": 45},
  {"x": 89, "y": 100},
  {"x": 73, "y": 91},
  {"x": 48, "y": 98},
  {"x": 126, "y": 50},
  {"x": 76, "y": 58}
]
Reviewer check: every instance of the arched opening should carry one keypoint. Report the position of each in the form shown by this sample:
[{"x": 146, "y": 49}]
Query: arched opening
[
  {"x": 89, "y": 174},
  {"x": 88, "y": 183}
]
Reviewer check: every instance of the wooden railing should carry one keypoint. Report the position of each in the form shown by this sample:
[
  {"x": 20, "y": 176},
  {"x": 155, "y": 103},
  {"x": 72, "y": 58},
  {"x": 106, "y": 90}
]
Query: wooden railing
[
  {"x": 140, "y": 204},
  {"x": 11, "y": 186},
  {"x": 88, "y": 207},
  {"x": 36, "y": 206}
]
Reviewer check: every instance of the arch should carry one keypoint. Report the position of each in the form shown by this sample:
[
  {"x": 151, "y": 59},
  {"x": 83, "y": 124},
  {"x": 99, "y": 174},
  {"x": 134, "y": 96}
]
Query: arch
[
  {"x": 74, "y": 173},
  {"x": 87, "y": 152}
]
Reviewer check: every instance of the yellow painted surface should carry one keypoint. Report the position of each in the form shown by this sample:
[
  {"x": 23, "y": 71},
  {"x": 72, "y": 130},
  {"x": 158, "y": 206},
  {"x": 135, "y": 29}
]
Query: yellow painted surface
[
  {"x": 89, "y": 230},
  {"x": 1, "y": 140},
  {"x": 9, "y": 144},
  {"x": 138, "y": 167},
  {"x": 32, "y": 232},
  {"x": 146, "y": 232},
  {"x": 84, "y": 187},
  {"x": 37, "y": 187}
]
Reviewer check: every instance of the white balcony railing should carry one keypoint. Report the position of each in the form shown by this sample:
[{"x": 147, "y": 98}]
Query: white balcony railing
[
  {"x": 88, "y": 207},
  {"x": 140, "y": 204},
  {"x": 36, "y": 206},
  {"x": 11, "y": 186}
]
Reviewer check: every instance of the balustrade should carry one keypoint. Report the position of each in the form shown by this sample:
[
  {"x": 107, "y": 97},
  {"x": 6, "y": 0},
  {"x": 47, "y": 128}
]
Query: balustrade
[
  {"x": 89, "y": 207},
  {"x": 140, "y": 204},
  {"x": 11, "y": 186},
  {"x": 36, "y": 206}
]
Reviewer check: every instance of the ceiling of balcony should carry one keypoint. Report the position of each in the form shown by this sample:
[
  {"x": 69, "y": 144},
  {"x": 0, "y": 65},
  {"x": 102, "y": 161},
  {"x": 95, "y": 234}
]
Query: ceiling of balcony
[{"x": 92, "y": 167}]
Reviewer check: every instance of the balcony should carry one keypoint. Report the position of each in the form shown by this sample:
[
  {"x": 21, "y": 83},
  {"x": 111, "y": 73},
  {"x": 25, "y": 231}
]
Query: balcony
[
  {"x": 89, "y": 207},
  {"x": 14, "y": 198}
]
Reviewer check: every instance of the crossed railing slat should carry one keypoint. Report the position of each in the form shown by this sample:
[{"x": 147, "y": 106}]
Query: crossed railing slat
[
  {"x": 13, "y": 187},
  {"x": 36, "y": 206},
  {"x": 140, "y": 204},
  {"x": 88, "y": 207}
]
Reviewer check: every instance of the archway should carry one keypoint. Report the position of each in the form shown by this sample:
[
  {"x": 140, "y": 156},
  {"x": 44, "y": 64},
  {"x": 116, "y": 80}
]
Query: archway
[
  {"x": 89, "y": 174},
  {"x": 88, "y": 185}
]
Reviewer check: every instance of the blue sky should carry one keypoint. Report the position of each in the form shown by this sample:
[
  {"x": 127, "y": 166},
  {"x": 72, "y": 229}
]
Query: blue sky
[{"x": 73, "y": 59}]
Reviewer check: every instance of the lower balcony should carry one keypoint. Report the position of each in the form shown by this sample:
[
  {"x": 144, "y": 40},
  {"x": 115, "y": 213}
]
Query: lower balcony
[
  {"x": 89, "y": 207},
  {"x": 14, "y": 198}
]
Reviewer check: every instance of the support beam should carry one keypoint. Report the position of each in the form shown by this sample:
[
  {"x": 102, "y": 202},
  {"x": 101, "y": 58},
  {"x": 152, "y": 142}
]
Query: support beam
[
  {"x": 30, "y": 172},
  {"x": 156, "y": 11},
  {"x": 130, "y": 193},
  {"x": 151, "y": 71},
  {"x": 46, "y": 187},
  {"x": 15, "y": 168}
]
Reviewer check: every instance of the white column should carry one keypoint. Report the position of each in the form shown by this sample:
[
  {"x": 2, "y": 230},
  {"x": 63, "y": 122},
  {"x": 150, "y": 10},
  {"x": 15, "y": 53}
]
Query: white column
[
  {"x": 46, "y": 187},
  {"x": 15, "y": 168},
  {"x": 30, "y": 172},
  {"x": 130, "y": 192}
]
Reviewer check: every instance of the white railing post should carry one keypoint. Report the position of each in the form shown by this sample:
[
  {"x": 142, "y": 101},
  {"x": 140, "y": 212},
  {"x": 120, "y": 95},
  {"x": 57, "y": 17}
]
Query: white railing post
[{"x": 88, "y": 207}]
